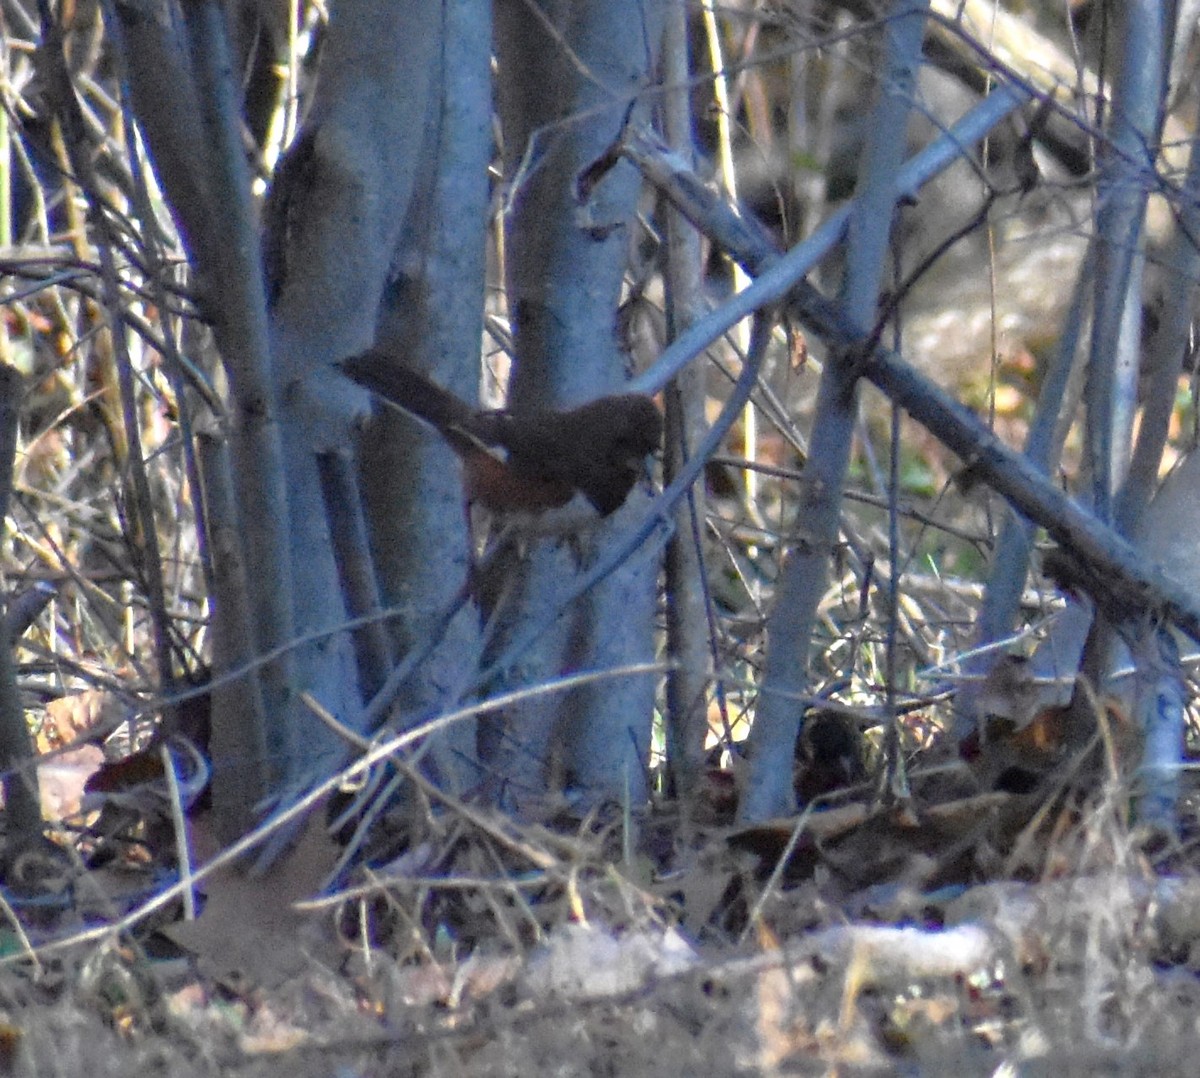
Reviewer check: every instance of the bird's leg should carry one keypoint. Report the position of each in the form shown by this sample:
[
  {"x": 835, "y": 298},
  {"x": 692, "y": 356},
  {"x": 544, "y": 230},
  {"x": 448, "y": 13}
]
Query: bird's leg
[{"x": 476, "y": 553}]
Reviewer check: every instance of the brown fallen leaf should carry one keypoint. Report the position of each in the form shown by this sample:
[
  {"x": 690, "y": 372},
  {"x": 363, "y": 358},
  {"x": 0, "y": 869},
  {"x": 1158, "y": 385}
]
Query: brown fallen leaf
[
  {"x": 61, "y": 780},
  {"x": 70, "y": 718},
  {"x": 248, "y": 934}
]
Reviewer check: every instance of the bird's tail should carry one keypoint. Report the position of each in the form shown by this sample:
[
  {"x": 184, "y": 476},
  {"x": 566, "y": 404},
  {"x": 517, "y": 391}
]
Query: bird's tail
[{"x": 388, "y": 376}]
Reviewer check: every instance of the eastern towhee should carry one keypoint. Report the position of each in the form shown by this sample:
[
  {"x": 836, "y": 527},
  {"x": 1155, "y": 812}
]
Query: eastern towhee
[{"x": 529, "y": 460}]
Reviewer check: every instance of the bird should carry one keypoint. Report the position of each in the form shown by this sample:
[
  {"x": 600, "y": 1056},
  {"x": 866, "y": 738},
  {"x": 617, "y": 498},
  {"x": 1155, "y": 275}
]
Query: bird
[{"x": 527, "y": 460}]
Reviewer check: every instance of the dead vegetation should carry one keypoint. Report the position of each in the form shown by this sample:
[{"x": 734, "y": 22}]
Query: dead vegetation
[{"x": 940, "y": 905}]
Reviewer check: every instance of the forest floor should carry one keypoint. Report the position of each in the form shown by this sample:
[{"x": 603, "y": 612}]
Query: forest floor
[{"x": 999, "y": 932}]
